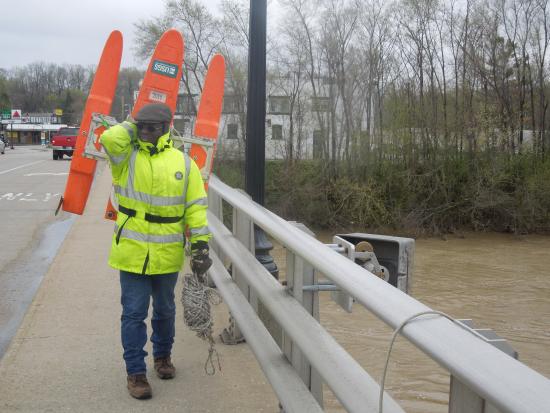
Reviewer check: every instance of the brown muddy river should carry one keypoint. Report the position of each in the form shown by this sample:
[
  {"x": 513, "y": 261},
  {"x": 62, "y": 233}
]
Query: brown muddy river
[{"x": 500, "y": 281}]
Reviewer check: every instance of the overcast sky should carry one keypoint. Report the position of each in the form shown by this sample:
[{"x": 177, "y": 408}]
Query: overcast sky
[{"x": 71, "y": 31}]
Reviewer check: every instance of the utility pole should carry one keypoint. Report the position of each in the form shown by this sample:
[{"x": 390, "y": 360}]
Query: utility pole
[
  {"x": 255, "y": 119},
  {"x": 11, "y": 134},
  {"x": 255, "y": 124}
]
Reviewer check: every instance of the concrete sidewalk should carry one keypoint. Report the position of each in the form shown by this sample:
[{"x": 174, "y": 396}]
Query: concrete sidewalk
[{"x": 67, "y": 354}]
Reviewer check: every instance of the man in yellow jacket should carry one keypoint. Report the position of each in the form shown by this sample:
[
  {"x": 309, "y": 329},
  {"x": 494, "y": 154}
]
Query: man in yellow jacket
[{"x": 160, "y": 195}]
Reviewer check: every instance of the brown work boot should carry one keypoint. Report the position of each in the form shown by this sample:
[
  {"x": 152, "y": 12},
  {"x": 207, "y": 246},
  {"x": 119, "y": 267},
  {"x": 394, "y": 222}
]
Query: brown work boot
[
  {"x": 138, "y": 386},
  {"x": 164, "y": 368}
]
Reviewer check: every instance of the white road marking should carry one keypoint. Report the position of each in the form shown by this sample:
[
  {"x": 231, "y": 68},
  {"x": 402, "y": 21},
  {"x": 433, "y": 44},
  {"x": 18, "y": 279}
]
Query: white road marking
[
  {"x": 20, "y": 166},
  {"x": 47, "y": 173},
  {"x": 49, "y": 196},
  {"x": 11, "y": 196},
  {"x": 27, "y": 198}
]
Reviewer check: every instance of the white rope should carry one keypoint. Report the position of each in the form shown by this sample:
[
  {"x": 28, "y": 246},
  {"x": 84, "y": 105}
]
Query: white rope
[
  {"x": 394, "y": 336},
  {"x": 196, "y": 298}
]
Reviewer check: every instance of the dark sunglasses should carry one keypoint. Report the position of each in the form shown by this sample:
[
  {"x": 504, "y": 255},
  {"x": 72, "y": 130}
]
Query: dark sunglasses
[{"x": 149, "y": 127}]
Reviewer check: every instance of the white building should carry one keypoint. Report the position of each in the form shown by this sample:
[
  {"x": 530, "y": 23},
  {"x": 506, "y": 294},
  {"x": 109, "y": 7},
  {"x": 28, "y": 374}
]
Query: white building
[
  {"x": 31, "y": 128},
  {"x": 306, "y": 136}
]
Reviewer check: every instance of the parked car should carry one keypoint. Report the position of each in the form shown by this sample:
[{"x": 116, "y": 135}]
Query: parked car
[{"x": 63, "y": 142}]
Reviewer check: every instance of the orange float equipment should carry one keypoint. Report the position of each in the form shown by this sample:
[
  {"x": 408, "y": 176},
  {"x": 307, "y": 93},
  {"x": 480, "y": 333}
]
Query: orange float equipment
[
  {"x": 99, "y": 100},
  {"x": 208, "y": 116}
]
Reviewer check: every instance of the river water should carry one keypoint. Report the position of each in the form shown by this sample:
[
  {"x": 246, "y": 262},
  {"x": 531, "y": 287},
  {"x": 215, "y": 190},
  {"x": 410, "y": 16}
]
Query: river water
[{"x": 500, "y": 281}]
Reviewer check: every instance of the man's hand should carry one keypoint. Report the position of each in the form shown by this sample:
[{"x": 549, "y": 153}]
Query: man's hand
[{"x": 200, "y": 261}]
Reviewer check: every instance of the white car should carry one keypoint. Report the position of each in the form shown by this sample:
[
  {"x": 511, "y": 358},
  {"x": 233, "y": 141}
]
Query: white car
[{"x": 2, "y": 146}]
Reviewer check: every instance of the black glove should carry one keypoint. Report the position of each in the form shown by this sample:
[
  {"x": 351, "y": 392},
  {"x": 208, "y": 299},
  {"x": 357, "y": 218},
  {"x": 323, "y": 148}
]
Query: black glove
[{"x": 200, "y": 261}]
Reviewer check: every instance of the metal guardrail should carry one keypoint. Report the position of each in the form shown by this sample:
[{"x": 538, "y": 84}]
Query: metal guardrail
[
  {"x": 352, "y": 385},
  {"x": 492, "y": 378},
  {"x": 288, "y": 386}
]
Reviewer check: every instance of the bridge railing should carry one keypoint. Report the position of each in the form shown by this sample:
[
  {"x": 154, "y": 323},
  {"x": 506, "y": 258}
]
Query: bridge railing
[{"x": 489, "y": 379}]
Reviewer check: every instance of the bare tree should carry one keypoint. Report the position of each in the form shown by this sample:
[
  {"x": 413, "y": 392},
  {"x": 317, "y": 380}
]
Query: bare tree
[
  {"x": 300, "y": 13},
  {"x": 539, "y": 40}
]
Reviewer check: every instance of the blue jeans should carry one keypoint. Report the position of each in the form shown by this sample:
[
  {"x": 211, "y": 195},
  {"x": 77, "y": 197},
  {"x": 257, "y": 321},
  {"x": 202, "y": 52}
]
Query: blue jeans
[{"x": 136, "y": 291}]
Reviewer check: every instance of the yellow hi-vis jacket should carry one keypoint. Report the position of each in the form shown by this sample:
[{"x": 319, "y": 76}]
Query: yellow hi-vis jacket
[{"x": 160, "y": 192}]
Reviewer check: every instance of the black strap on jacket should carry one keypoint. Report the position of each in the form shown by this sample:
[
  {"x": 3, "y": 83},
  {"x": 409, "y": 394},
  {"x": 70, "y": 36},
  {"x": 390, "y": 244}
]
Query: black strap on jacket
[
  {"x": 154, "y": 150},
  {"x": 119, "y": 233},
  {"x": 145, "y": 264},
  {"x": 149, "y": 217}
]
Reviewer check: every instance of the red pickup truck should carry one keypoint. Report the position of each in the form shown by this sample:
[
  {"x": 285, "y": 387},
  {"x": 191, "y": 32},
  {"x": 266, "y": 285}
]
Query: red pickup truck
[{"x": 63, "y": 142}]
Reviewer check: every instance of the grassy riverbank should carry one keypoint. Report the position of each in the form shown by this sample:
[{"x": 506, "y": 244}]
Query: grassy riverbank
[{"x": 489, "y": 192}]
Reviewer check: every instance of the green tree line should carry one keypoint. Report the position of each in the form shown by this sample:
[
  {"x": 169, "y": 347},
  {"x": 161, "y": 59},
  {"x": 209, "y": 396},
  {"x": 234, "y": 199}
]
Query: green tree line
[{"x": 41, "y": 87}]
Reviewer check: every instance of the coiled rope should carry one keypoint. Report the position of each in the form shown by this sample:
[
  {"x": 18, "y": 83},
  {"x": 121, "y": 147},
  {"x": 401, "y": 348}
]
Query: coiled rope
[{"x": 196, "y": 298}]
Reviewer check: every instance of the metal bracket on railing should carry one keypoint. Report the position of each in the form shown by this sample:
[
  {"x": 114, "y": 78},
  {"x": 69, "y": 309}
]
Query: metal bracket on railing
[
  {"x": 362, "y": 254},
  {"x": 229, "y": 336},
  {"x": 461, "y": 397},
  {"x": 489, "y": 336},
  {"x": 389, "y": 258},
  {"x": 320, "y": 287},
  {"x": 99, "y": 124}
]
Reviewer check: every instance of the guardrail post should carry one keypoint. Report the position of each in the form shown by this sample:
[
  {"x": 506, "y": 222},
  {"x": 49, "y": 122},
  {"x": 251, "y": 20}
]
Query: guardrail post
[
  {"x": 215, "y": 206},
  {"x": 243, "y": 229},
  {"x": 298, "y": 274},
  {"x": 462, "y": 399}
]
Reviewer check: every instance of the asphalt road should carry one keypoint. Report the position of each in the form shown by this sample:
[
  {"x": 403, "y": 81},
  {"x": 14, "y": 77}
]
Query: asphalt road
[{"x": 31, "y": 184}]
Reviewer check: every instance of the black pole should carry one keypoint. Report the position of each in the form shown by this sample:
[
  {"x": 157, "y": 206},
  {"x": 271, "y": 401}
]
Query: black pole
[
  {"x": 255, "y": 124},
  {"x": 255, "y": 119}
]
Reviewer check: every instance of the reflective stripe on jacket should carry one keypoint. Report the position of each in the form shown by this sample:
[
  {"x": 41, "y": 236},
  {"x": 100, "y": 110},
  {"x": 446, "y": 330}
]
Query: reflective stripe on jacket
[{"x": 160, "y": 192}]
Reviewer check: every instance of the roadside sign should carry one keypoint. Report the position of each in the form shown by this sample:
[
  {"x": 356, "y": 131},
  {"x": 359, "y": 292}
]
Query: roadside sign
[
  {"x": 5, "y": 114},
  {"x": 16, "y": 113},
  {"x": 58, "y": 112}
]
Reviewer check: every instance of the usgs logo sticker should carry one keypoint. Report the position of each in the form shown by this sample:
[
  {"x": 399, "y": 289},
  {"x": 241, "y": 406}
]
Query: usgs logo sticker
[{"x": 166, "y": 69}]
